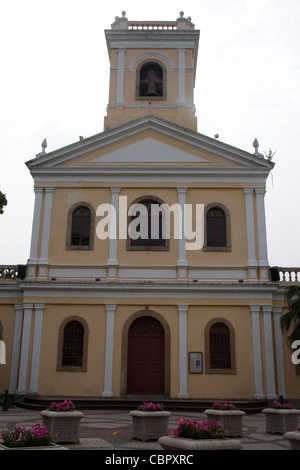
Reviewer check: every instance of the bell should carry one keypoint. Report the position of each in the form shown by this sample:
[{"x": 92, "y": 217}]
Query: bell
[{"x": 151, "y": 90}]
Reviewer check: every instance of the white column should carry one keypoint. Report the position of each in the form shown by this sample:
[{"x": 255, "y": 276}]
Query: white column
[
  {"x": 262, "y": 236},
  {"x": 181, "y": 76},
  {"x": 109, "y": 350},
  {"x": 25, "y": 348},
  {"x": 36, "y": 350},
  {"x": 16, "y": 349},
  {"x": 120, "y": 76},
  {"x": 270, "y": 373},
  {"x": 279, "y": 352},
  {"x": 258, "y": 382},
  {"x": 182, "y": 309},
  {"x": 36, "y": 225},
  {"x": 252, "y": 263},
  {"x": 46, "y": 226},
  {"x": 113, "y": 242},
  {"x": 182, "y": 261}
]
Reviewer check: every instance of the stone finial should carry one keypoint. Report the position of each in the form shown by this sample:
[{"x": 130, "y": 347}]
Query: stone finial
[
  {"x": 256, "y": 145},
  {"x": 44, "y": 146},
  {"x": 184, "y": 23},
  {"x": 120, "y": 23}
]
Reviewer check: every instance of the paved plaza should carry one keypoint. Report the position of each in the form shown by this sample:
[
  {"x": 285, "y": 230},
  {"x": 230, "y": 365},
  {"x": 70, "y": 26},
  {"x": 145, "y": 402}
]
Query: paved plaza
[{"x": 111, "y": 430}]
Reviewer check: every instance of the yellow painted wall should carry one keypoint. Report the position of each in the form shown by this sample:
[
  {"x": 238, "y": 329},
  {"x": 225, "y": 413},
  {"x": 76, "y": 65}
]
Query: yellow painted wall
[
  {"x": 7, "y": 318},
  {"x": 88, "y": 383}
]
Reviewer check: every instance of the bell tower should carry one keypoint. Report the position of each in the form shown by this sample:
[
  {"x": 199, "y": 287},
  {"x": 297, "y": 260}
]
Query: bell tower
[{"x": 152, "y": 70}]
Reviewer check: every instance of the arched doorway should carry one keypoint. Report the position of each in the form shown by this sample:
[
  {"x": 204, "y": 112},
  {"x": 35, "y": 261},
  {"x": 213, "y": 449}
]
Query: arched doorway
[{"x": 145, "y": 361}]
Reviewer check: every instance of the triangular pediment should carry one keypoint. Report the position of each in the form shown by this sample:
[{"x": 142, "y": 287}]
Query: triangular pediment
[
  {"x": 149, "y": 142},
  {"x": 149, "y": 150}
]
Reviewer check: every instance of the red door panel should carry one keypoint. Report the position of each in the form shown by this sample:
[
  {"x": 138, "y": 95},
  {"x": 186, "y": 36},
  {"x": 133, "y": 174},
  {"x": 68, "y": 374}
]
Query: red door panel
[{"x": 145, "y": 370}]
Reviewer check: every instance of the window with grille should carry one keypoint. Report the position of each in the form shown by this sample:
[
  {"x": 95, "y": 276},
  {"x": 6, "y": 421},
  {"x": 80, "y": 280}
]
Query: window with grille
[
  {"x": 81, "y": 225},
  {"x": 219, "y": 345},
  {"x": 73, "y": 344},
  {"x": 216, "y": 227},
  {"x": 154, "y": 223}
]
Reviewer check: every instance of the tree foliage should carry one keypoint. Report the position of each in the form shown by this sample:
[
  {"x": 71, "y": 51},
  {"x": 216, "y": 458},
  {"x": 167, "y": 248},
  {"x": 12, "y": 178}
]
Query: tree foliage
[
  {"x": 290, "y": 321},
  {"x": 3, "y": 202}
]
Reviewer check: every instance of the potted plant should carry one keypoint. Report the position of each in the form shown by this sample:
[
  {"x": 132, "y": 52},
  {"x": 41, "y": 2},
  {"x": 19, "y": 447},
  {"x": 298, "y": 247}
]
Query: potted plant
[
  {"x": 64, "y": 419},
  {"x": 35, "y": 437},
  {"x": 229, "y": 416},
  {"x": 204, "y": 435},
  {"x": 281, "y": 417},
  {"x": 150, "y": 421},
  {"x": 294, "y": 438}
]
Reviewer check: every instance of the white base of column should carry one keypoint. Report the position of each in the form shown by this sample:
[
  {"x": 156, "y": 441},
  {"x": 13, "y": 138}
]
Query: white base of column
[
  {"x": 183, "y": 395},
  {"x": 107, "y": 394},
  {"x": 259, "y": 396}
]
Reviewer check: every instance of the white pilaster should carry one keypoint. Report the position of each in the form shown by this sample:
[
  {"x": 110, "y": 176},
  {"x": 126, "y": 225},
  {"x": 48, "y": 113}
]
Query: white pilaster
[
  {"x": 262, "y": 236},
  {"x": 120, "y": 76},
  {"x": 252, "y": 263},
  {"x": 182, "y": 261},
  {"x": 181, "y": 77},
  {"x": 267, "y": 312},
  {"x": 35, "y": 227},
  {"x": 113, "y": 240},
  {"x": 46, "y": 226},
  {"x": 279, "y": 352},
  {"x": 25, "y": 349},
  {"x": 16, "y": 349},
  {"x": 182, "y": 309},
  {"x": 109, "y": 349},
  {"x": 36, "y": 350},
  {"x": 258, "y": 382}
]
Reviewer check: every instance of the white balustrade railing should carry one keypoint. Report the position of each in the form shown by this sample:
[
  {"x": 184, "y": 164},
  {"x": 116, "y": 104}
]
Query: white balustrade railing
[
  {"x": 289, "y": 275},
  {"x": 8, "y": 272}
]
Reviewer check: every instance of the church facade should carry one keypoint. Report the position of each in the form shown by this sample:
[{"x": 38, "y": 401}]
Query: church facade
[{"x": 148, "y": 273}]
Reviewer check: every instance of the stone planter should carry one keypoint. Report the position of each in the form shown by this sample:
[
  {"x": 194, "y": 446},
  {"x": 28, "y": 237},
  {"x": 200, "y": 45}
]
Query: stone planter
[
  {"x": 280, "y": 421},
  {"x": 231, "y": 420},
  {"x": 149, "y": 425},
  {"x": 294, "y": 439},
  {"x": 65, "y": 423},
  {"x": 180, "y": 443}
]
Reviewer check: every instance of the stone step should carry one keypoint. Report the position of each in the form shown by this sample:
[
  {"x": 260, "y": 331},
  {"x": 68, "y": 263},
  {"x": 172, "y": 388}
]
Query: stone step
[{"x": 82, "y": 403}]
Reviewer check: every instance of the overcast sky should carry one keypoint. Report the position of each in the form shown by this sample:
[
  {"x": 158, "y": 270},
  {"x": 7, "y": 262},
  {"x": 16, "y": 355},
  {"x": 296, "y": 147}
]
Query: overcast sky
[{"x": 54, "y": 85}]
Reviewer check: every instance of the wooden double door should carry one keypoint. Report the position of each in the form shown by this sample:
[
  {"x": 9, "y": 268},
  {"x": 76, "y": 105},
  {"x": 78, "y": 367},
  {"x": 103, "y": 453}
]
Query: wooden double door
[{"x": 146, "y": 351}]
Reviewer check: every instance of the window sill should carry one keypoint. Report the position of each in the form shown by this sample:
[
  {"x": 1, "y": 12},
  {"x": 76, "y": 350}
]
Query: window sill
[
  {"x": 79, "y": 247},
  {"x": 220, "y": 371},
  {"x": 71, "y": 368},
  {"x": 217, "y": 248}
]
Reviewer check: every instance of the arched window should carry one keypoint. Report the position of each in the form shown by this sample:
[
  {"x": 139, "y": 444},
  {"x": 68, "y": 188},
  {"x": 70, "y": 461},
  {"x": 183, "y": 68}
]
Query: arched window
[
  {"x": 217, "y": 228},
  {"x": 146, "y": 229},
  {"x": 219, "y": 347},
  {"x": 81, "y": 224},
  {"x": 72, "y": 345},
  {"x": 80, "y": 227},
  {"x": 150, "y": 81}
]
